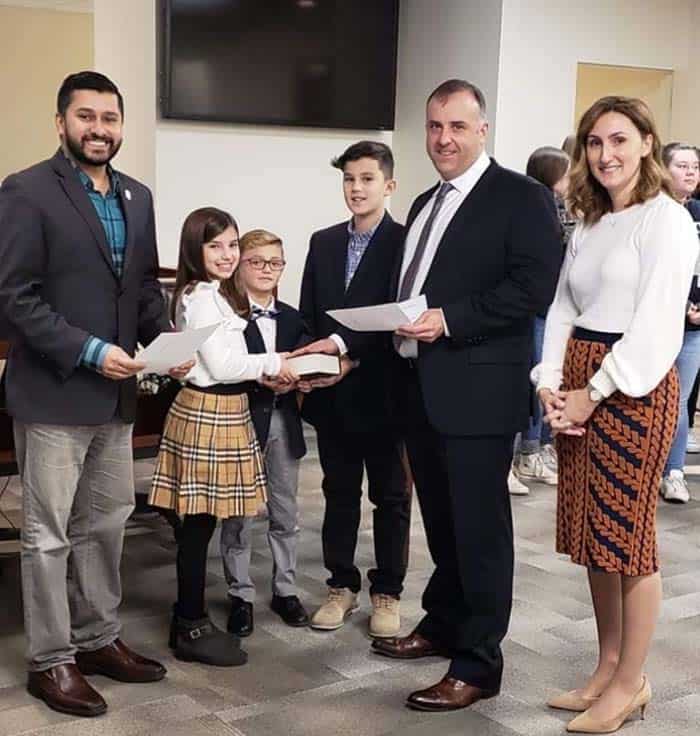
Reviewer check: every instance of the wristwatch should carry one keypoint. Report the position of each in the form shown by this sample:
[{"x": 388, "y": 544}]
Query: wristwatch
[{"x": 593, "y": 394}]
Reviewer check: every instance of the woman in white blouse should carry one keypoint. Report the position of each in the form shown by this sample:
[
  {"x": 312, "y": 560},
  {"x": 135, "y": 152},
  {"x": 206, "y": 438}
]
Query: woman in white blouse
[
  {"x": 209, "y": 465},
  {"x": 610, "y": 391}
]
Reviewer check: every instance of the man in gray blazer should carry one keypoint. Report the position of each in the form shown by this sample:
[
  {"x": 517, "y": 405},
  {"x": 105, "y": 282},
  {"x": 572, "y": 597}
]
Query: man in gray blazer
[{"x": 79, "y": 289}]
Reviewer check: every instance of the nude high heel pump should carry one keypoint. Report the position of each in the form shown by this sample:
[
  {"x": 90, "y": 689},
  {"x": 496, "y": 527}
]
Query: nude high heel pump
[
  {"x": 573, "y": 700},
  {"x": 585, "y": 724}
]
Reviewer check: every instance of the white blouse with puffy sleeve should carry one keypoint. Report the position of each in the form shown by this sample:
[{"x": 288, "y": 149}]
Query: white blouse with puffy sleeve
[
  {"x": 224, "y": 357},
  {"x": 628, "y": 273}
]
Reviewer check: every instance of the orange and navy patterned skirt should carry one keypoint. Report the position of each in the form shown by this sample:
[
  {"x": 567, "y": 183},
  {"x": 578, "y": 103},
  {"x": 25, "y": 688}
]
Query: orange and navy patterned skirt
[{"x": 609, "y": 478}]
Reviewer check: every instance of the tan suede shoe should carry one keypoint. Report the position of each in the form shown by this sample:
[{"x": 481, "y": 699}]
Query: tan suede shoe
[
  {"x": 385, "y": 621},
  {"x": 341, "y": 602}
]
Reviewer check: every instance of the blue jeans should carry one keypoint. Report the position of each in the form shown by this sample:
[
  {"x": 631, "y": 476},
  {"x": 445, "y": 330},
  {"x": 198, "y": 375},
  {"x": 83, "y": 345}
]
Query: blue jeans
[
  {"x": 538, "y": 432},
  {"x": 687, "y": 363}
]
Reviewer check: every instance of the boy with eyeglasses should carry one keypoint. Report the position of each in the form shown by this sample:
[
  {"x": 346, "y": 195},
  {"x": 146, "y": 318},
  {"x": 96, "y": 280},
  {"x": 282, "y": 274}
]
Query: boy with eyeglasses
[{"x": 273, "y": 327}]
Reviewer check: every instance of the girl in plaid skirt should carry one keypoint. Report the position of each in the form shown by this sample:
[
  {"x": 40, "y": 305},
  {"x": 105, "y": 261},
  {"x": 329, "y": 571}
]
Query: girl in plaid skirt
[{"x": 209, "y": 465}]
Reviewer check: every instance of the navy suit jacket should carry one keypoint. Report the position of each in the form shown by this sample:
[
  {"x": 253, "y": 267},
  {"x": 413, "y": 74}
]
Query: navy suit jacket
[
  {"x": 290, "y": 334},
  {"x": 58, "y": 285},
  {"x": 361, "y": 401},
  {"x": 495, "y": 267}
]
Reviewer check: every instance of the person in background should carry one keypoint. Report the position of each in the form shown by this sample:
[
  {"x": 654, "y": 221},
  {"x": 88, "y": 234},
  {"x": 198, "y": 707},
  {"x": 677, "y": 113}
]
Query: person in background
[
  {"x": 568, "y": 145},
  {"x": 209, "y": 465},
  {"x": 273, "y": 326},
  {"x": 612, "y": 400},
  {"x": 79, "y": 288},
  {"x": 683, "y": 164},
  {"x": 535, "y": 458},
  {"x": 693, "y": 443}
]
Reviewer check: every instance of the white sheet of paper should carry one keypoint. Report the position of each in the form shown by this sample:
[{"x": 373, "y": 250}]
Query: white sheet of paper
[
  {"x": 381, "y": 317},
  {"x": 171, "y": 349}
]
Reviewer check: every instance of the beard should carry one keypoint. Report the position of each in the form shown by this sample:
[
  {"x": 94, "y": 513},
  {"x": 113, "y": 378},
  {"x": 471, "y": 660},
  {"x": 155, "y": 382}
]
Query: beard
[{"x": 76, "y": 149}]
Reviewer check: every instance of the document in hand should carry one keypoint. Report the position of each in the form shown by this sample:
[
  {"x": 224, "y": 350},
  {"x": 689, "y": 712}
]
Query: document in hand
[
  {"x": 171, "y": 349},
  {"x": 315, "y": 364},
  {"x": 381, "y": 317}
]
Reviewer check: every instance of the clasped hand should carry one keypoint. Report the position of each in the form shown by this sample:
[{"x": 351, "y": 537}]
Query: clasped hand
[{"x": 566, "y": 411}]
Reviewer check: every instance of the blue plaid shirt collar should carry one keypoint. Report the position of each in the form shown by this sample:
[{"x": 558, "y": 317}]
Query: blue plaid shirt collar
[
  {"x": 114, "y": 182},
  {"x": 357, "y": 245},
  {"x": 361, "y": 238}
]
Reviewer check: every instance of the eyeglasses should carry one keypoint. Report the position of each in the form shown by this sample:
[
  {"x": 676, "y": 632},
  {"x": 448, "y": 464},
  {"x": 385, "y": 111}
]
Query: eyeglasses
[{"x": 275, "y": 264}]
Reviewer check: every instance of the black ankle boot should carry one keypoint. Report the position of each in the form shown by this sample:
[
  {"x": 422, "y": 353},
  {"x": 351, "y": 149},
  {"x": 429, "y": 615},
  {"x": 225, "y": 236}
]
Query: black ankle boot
[
  {"x": 240, "y": 618},
  {"x": 200, "y": 641}
]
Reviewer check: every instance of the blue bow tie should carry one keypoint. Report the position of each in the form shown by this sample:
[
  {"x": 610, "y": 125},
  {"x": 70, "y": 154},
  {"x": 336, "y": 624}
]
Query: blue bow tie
[{"x": 257, "y": 313}]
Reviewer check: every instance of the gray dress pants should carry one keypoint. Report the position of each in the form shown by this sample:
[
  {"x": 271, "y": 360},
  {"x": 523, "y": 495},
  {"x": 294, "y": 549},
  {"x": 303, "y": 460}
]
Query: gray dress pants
[
  {"x": 77, "y": 493},
  {"x": 282, "y": 471}
]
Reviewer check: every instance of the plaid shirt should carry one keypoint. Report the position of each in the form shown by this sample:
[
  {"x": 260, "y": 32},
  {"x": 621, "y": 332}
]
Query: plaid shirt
[
  {"x": 109, "y": 210},
  {"x": 357, "y": 245}
]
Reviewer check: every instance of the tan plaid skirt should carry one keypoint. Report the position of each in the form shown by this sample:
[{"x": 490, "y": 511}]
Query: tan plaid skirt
[{"x": 209, "y": 460}]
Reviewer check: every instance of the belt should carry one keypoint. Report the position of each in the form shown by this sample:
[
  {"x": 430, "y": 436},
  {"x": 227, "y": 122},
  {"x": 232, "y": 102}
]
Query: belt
[
  {"x": 222, "y": 389},
  {"x": 608, "y": 338}
]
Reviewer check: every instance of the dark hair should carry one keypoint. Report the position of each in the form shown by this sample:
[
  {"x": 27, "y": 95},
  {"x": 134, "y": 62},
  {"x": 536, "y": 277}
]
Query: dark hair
[
  {"x": 568, "y": 145},
  {"x": 452, "y": 86},
  {"x": 379, "y": 152},
  {"x": 199, "y": 228},
  {"x": 548, "y": 165},
  {"x": 86, "y": 80},
  {"x": 587, "y": 197},
  {"x": 668, "y": 151}
]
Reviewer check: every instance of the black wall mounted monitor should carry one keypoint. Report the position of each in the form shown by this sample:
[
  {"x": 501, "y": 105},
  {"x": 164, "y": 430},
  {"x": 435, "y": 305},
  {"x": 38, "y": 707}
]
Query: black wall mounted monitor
[{"x": 318, "y": 63}]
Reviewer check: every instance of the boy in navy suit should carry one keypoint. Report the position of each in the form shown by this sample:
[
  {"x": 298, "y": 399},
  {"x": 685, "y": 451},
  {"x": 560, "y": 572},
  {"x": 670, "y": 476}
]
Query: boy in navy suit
[
  {"x": 350, "y": 265},
  {"x": 273, "y": 327}
]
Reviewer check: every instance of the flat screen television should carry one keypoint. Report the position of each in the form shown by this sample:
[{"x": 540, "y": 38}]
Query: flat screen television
[{"x": 318, "y": 63}]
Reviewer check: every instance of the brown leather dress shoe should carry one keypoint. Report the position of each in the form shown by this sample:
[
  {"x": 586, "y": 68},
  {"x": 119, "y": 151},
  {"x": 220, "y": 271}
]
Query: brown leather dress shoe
[
  {"x": 412, "y": 646},
  {"x": 448, "y": 694},
  {"x": 117, "y": 661},
  {"x": 64, "y": 689}
]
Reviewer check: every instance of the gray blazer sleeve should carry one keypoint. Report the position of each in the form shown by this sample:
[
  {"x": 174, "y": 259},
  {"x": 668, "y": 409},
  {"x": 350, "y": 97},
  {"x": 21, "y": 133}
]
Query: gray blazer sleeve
[{"x": 22, "y": 270}]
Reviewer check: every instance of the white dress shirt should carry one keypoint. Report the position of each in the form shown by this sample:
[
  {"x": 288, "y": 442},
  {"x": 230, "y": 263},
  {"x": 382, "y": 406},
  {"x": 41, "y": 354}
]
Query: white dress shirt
[
  {"x": 224, "y": 356},
  {"x": 462, "y": 186},
  {"x": 629, "y": 274}
]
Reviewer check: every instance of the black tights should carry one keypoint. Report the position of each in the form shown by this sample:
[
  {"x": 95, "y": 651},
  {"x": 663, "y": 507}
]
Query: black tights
[{"x": 194, "y": 537}]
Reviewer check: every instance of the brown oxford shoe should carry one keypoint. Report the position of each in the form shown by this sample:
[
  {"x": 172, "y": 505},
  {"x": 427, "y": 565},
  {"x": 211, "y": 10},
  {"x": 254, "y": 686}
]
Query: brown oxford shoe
[
  {"x": 117, "y": 661},
  {"x": 412, "y": 646},
  {"x": 64, "y": 689},
  {"x": 448, "y": 694}
]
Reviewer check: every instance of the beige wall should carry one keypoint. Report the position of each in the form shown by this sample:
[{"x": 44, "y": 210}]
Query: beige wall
[
  {"x": 439, "y": 40},
  {"x": 125, "y": 50},
  {"x": 654, "y": 86},
  {"x": 685, "y": 123},
  {"x": 543, "y": 41},
  {"x": 39, "y": 48}
]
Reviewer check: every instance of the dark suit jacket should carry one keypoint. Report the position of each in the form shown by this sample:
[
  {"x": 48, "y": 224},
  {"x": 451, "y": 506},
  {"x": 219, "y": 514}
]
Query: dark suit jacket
[
  {"x": 58, "y": 286},
  {"x": 360, "y": 402},
  {"x": 495, "y": 268},
  {"x": 290, "y": 334}
]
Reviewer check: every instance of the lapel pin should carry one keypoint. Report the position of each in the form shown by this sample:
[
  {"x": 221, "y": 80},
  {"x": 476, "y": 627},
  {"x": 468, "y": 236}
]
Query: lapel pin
[{"x": 127, "y": 194}]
